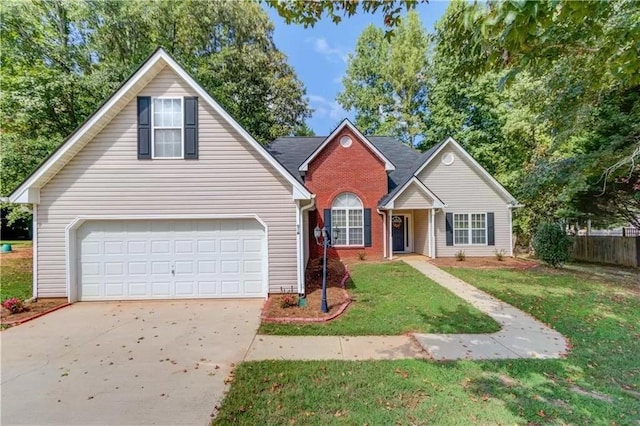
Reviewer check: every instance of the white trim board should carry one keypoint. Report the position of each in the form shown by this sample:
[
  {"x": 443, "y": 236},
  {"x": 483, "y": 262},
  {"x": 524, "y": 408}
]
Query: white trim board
[
  {"x": 28, "y": 191},
  {"x": 388, "y": 165},
  {"x": 71, "y": 249}
]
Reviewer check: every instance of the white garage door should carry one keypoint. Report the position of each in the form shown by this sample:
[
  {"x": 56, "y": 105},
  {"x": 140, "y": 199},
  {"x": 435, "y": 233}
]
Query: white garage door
[{"x": 168, "y": 259}]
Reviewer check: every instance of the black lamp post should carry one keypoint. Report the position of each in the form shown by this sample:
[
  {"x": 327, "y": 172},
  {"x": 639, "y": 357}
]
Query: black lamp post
[{"x": 326, "y": 242}]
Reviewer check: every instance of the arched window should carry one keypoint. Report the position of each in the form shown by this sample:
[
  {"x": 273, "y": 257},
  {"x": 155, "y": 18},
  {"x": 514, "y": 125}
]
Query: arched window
[{"x": 346, "y": 219}]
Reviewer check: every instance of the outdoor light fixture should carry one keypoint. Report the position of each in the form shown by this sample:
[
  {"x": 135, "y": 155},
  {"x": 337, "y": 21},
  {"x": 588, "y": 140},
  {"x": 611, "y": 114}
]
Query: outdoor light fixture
[{"x": 317, "y": 232}]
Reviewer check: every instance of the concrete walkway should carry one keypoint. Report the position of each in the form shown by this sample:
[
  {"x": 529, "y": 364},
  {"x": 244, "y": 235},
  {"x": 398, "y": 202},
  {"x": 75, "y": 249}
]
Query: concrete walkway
[{"x": 521, "y": 335}]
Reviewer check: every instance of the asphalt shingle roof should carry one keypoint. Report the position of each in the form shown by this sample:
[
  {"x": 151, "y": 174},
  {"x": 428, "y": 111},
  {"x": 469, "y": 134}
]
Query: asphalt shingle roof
[{"x": 293, "y": 151}]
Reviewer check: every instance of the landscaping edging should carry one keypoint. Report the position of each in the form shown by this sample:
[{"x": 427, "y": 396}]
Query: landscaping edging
[
  {"x": 340, "y": 311},
  {"x": 38, "y": 315}
]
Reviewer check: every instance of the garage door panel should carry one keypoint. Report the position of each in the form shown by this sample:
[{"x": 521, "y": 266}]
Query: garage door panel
[
  {"x": 253, "y": 287},
  {"x": 206, "y": 246},
  {"x": 138, "y": 289},
  {"x": 230, "y": 287},
  {"x": 229, "y": 246},
  {"x": 137, "y": 247},
  {"x": 171, "y": 259},
  {"x": 208, "y": 288},
  {"x": 160, "y": 247}
]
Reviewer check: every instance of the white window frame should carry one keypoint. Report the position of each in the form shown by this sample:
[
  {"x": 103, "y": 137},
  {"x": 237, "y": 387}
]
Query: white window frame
[
  {"x": 154, "y": 128},
  {"x": 347, "y": 227},
  {"x": 471, "y": 229}
]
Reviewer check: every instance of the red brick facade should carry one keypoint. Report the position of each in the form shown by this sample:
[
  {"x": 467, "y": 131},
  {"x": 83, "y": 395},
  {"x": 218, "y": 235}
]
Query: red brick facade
[{"x": 355, "y": 169}]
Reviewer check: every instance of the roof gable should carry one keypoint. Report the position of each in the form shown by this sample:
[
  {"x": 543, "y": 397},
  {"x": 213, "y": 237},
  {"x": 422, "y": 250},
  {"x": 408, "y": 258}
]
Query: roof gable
[
  {"x": 388, "y": 202},
  {"x": 28, "y": 191},
  {"x": 501, "y": 190},
  {"x": 388, "y": 165}
]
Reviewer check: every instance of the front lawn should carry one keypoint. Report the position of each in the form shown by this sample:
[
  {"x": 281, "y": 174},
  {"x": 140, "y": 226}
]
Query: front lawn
[
  {"x": 598, "y": 383},
  {"x": 392, "y": 299},
  {"x": 16, "y": 271}
]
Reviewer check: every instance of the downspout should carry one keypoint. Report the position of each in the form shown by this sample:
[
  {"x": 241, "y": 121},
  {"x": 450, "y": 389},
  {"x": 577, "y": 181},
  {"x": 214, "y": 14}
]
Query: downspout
[
  {"x": 34, "y": 247},
  {"x": 300, "y": 242},
  {"x": 511, "y": 232},
  {"x": 384, "y": 232}
]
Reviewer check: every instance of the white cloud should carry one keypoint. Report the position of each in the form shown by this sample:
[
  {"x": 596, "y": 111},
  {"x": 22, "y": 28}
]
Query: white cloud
[
  {"x": 324, "y": 108},
  {"x": 331, "y": 53}
]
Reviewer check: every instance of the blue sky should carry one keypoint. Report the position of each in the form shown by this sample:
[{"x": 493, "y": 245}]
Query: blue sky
[{"x": 319, "y": 56}]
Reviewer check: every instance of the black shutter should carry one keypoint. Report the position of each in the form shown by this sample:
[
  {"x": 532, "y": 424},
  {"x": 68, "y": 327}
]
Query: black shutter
[
  {"x": 191, "y": 128},
  {"x": 367, "y": 227},
  {"x": 144, "y": 127},
  {"x": 491, "y": 239},
  {"x": 327, "y": 222},
  {"x": 449, "y": 220}
]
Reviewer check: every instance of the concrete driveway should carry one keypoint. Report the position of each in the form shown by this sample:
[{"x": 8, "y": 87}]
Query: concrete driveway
[{"x": 129, "y": 363}]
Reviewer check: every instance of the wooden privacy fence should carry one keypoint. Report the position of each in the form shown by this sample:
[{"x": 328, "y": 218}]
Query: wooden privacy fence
[{"x": 616, "y": 250}]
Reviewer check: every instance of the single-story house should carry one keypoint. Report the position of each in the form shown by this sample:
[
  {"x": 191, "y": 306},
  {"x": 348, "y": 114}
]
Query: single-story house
[{"x": 161, "y": 194}]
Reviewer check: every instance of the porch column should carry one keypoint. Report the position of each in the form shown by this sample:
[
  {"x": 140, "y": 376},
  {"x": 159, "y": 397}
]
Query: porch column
[
  {"x": 430, "y": 222},
  {"x": 432, "y": 234},
  {"x": 390, "y": 228}
]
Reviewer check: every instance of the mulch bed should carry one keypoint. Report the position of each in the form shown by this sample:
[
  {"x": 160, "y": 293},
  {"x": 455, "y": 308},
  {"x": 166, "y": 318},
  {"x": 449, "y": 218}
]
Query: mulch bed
[
  {"x": 337, "y": 296},
  {"x": 484, "y": 263},
  {"x": 33, "y": 310}
]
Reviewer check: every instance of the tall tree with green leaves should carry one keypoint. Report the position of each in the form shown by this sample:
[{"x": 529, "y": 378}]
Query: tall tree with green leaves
[
  {"x": 576, "y": 116},
  {"x": 385, "y": 81}
]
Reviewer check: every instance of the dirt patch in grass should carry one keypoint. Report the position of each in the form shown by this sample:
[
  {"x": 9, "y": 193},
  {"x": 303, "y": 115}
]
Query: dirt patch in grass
[
  {"x": 335, "y": 293},
  {"x": 484, "y": 263},
  {"x": 17, "y": 253},
  {"x": 32, "y": 309}
]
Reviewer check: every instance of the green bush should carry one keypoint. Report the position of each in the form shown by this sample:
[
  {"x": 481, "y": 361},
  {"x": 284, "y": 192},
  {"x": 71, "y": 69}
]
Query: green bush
[{"x": 551, "y": 244}]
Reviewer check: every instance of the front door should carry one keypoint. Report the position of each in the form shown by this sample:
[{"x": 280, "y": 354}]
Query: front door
[{"x": 398, "y": 224}]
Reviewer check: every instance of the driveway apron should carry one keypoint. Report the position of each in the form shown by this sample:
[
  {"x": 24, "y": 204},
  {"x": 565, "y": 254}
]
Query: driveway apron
[{"x": 129, "y": 363}]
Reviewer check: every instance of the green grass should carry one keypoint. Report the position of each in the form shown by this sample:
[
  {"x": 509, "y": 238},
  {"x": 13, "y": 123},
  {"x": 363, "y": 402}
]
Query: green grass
[
  {"x": 392, "y": 299},
  {"x": 602, "y": 321},
  {"x": 15, "y": 277}
]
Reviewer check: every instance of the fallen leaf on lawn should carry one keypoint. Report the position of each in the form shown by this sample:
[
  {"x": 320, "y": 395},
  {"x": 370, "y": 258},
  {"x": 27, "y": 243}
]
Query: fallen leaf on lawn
[{"x": 541, "y": 413}]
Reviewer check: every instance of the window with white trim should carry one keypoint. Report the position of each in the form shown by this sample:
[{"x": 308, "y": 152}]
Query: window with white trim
[
  {"x": 167, "y": 128},
  {"x": 347, "y": 220},
  {"x": 470, "y": 228}
]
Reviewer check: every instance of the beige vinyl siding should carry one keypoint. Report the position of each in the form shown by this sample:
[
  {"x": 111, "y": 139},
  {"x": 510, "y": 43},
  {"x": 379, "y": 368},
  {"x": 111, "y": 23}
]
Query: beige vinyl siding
[
  {"x": 106, "y": 178},
  {"x": 421, "y": 231},
  {"x": 464, "y": 190},
  {"x": 412, "y": 198}
]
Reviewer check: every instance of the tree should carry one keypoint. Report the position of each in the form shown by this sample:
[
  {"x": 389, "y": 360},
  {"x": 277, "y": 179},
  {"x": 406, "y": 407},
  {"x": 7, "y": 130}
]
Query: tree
[
  {"x": 566, "y": 76},
  {"x": 310, "y": 12},
  {"x": 552, "y": 41},
  {"x": 385, "y": 81}
]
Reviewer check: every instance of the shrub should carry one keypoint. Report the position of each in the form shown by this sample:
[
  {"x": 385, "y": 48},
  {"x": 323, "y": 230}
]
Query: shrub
[
  {"x": 361, "y": 255},
  {"x": 500, "y": 254},
  {"x": 551, "y": 244},
  {"x": 288, "y": 301},
  {"x": 460, "y": 255},
  {"x": 13, "y": 305}
]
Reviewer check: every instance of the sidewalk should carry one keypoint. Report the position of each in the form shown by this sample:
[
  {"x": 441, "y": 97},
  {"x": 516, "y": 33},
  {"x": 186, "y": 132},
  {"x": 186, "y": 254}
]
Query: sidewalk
[{"x": 521, "y": 335}]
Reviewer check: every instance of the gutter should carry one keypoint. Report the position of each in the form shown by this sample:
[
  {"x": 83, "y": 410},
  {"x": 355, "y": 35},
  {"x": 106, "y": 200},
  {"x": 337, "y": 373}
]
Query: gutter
[
  {"x": 384, "y": 231},
  {"x": 300, "y": 242}
]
